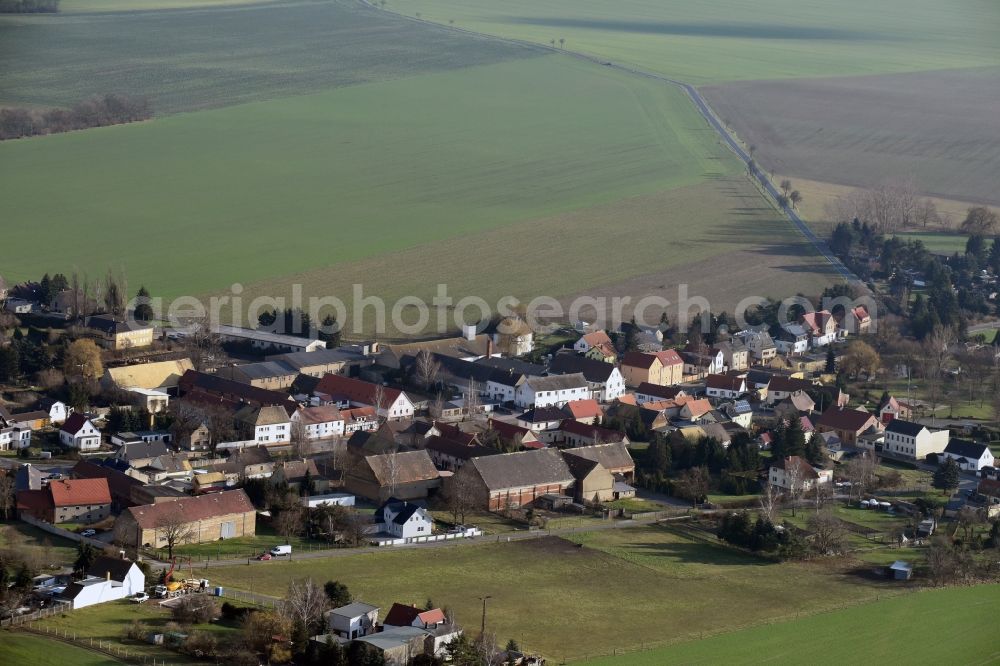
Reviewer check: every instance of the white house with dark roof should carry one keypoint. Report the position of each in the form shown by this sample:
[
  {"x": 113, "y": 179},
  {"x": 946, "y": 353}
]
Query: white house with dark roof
[
  {"x": 108, "y": 579},
  {"x": 322, "y": 422},
  {"x": 552, "y": 391},
  {"x": 403, "y": 520},
  {"x": 906, "y": 439},
  {"x": 606, "y": 380},
  {"x": 79, "y": 433},
  {"x": 970, "y": 456}
]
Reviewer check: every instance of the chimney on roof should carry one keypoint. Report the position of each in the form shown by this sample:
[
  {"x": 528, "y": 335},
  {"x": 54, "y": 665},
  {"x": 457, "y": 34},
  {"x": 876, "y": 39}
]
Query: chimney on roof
[
  {"x": 469, "y": 331},
  {"x": 489, "y": 346},
  {"x": 108, "y": 576}
]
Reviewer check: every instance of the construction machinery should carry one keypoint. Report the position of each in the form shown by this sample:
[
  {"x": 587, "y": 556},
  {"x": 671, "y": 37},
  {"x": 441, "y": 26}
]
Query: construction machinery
[{"x": 174, "y": 588}]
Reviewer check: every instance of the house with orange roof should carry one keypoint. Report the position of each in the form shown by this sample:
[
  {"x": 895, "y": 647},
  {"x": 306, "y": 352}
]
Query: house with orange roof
[
  {"x": 584, "y": 411},
  {"x": 821, "y": 326},
  {"x": 68, "y": 501},
  {"x": 597, "y": 345}
]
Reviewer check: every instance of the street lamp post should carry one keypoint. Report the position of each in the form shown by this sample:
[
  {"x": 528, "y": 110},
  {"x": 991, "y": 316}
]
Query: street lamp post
[{"x": 482, "y": 629}]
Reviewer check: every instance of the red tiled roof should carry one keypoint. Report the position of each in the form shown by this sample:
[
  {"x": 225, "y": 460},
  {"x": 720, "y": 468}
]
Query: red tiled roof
[
  {"x": 34, "y": 501},
  {"x": 356, "y": 390},
  {"x": 669, "y": 357},
  {"x": 638, "y": 360},
  {"x": 75, "y": 492},
  {"x": 192, "y": 509},
  {"x": 839, "y": 418},
  {"x": 597, "y": 338},
  {"x": 583, "y": 409}
]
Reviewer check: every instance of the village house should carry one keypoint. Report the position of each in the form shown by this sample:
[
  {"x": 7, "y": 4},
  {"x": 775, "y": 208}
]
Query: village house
[
  {"x": 322, "y": 422},
  {"x": 79, "y": 433},
  {"x": 514, "y": 480},
  {"x": 780, "y": 387},
  {"x": 118, "y": 335},
  {"x": 889, "y": 408},
  {"x": 739, "y": 412},
  {"x": 821, "y": 327},
  {"x": 613, "y": 456},
  {"x": 700, "y": 364},
  {"x": 725, "y": 386},
  {"x": 760, "y": 344},
  {"x": 267, "y": 341},
  {"x": 353, "y": 620},
  {"x": 735, "y": 355},
  {"x": 584, "y": 411},
  {"x": 796, "y": 404},
  {"x": 575, "y": 433},
  {"x": 663, "y": 368},
  {"x": 390, "y": 403},
  {"x": 449, "y": 454},
  {"x": 796, "y": 474},
  {"x": 405, "y": 475},
  {"x": 599, "y": 341},
  {"x": 970, "y": 456},
  {"x": 793, "y": 340},
  {"x": 855, "y": 321},
  {"x": 543, "y": 421},
  {"x": 107, "y": 579},
  {"x": 554, "y": 391},
  {"x": 605, "y": 380},
  {"x": 403, "y": 520},
  {"x": 201, "y": 387},
  {"x": 14, "y": 438},
  {"x": 268, "y": 425},
  {"x": 647, "y": 392},
  {"x": 200, "y": 519},
  {"x": 913, "y": 441},
  {"x": 138, "y": 452},
  {"x": 848, "y": 424},
  {"x": 271, "y": 375},
  {"x": 197, "y": 439},
  {"x": 57, "y": 410},
  {"x": 467, "y": 347},
  {"x": 120, "y": 484},
  {"x": 514, "y": 436},
  {"x": 161, "y": 376},
  {"x": 67, "y": 501},
  {"x": 592, "y": 482}
]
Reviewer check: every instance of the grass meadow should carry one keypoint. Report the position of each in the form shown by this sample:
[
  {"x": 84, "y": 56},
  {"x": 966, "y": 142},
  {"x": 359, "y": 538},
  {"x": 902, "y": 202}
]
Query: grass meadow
[
  {"x": 675, "y": 585},
  {"x": 20, "y": 648},
  {"x": 888, "y": 631},
  {"x": 729, "y": 40}
]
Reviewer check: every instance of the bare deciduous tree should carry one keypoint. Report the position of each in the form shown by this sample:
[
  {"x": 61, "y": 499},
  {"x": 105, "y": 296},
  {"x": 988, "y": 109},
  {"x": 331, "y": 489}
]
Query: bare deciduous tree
[
  {"x": 770, "y": 503},
  {"x": 460, "y": 496},
  {"x": 427, "y": 369},
  {"x": 173, "y": 529},
  {"x": 304, "y": 603},
  {"x": 828, "y": 534}
]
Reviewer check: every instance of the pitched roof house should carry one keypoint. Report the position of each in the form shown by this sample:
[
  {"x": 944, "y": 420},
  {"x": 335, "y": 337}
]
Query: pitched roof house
[
  {"x": 970, "y": 456},
  {"x": 847, "y": 423},
  {"x": 204, "y": 518},
  {"x": 394, "y": 404},
  {"x": 80, "y": 433},
  {"x": 606, "y": 381},
  {"x": 514, "y": 479},
  {"x": 406, "y": 475},
  {"x": 68, "y": 501}
]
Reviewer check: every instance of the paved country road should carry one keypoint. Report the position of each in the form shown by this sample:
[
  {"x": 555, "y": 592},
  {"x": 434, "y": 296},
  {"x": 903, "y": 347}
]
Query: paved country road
[{"x": 703, "y": 108}]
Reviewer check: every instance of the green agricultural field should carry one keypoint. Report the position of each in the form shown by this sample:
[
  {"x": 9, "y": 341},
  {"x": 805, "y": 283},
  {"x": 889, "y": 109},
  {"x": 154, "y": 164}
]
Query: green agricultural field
[
  {"x": 20, "y": 648},
  {"x": 37, "y": 547},
  {"x": 220, "y": 56},
  {"x": 727, "y": 40},
  {"x": 529, "y": 141},
  {"x": 675, "y": 586},
  {"x": 888, "y": 631},
  {"x": 82, "y": 6}
]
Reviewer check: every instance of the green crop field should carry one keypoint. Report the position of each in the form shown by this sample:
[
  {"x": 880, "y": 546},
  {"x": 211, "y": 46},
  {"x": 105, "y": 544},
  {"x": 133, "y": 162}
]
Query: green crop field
[
  {"x": 674, "y": 586},
  {"x": 82, "y": 6},
  {"x": 943, "y": 243},
  {"x": 888, "y": 631},
  {"x": 362, "y": 172},
  {"x": 219, "y": 56},
  {"x": 727, "y": 40},
  {"x": 18, "y": 648}
]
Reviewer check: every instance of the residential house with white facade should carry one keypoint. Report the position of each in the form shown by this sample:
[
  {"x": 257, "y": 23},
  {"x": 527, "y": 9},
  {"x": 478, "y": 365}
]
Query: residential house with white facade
[
  {"x": 79, "y": 432},
  {"x": 403, "y": 520},
  {"x": 605, "y": 380},
  {"x": 906, "y": 439},
  {"x": 553, "y": 391},
  {"x": 268, "y": 425},
  {"x": 321, "y": 422},
  {"x": 970, "y": 456}
]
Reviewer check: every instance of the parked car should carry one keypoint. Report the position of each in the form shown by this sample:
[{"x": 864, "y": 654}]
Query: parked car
[
  {"x": 281, "y": 550},
  {"x": 88, "y": 533},
  {"x": 140, "y": 597},
  {"x": 264, "y": 557}
]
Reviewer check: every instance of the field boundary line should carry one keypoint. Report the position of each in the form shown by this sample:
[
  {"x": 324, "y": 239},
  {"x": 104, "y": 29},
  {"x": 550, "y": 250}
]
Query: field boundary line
[{"x": 704, "y": 109}]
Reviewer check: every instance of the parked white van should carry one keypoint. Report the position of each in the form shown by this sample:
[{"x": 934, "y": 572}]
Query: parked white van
[{"x": 281, "y": 550}]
